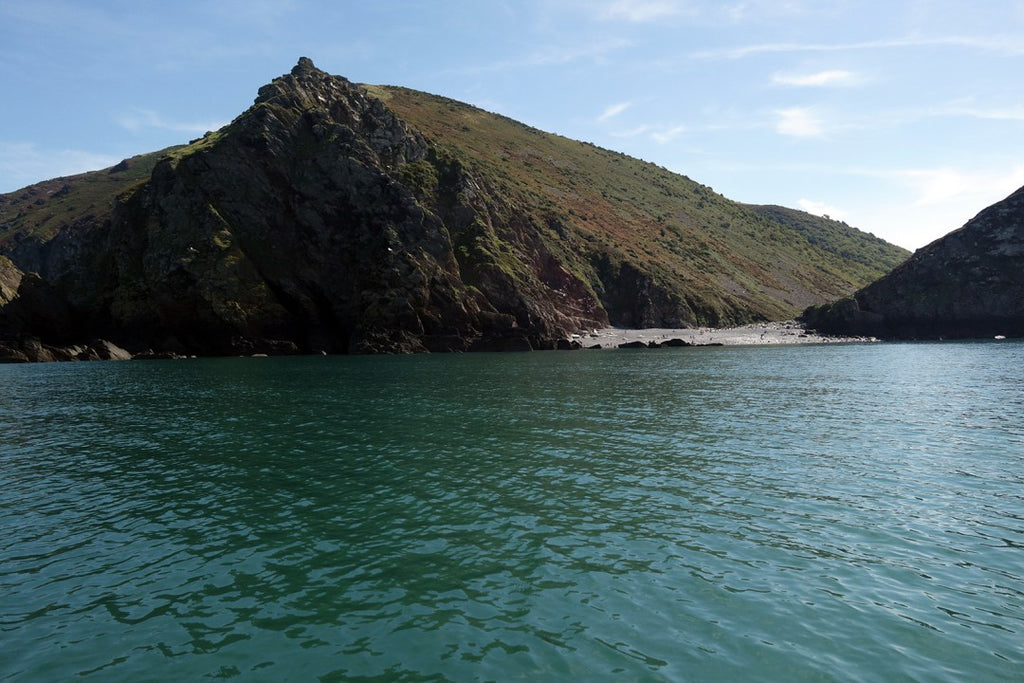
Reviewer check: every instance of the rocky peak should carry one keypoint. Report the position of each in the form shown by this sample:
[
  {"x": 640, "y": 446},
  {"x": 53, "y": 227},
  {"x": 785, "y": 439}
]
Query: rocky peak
[
  {"x": 328, "y": 102},
  {"x": 305, "y": 85},
  {"x": 335, "y": 217},
  {"x": 304, "y": 66}
]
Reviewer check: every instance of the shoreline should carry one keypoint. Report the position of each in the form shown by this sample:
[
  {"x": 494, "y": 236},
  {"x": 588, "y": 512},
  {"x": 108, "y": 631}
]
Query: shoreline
[{"x": 756, "y": 334}]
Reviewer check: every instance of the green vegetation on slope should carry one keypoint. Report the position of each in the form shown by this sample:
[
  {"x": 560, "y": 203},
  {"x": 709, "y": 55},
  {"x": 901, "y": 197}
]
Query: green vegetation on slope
[
  {"x": 39, "y": 211},
  {"x": 864, "y": 253},
  {"x": 734, "y": 262},
  {"x": 554, "y": 232}
]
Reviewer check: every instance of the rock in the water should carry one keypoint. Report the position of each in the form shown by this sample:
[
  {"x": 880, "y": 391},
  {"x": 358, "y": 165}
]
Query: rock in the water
[
  {"x": 107, "y": 350},
  {"x": 11, "y": 354}
]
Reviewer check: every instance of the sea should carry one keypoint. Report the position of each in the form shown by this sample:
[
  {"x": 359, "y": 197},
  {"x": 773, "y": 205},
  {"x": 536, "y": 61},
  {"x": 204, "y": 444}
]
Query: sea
[{"x": 840, "y": 512}]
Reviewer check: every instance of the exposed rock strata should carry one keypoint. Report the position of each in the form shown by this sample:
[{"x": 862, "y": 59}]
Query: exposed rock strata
[
  {"x": 968, "y": 284},
  {"x": 322, "y": 221},
  {"x": 289, "y": 231},
  {"x": 29, "y": 349}
]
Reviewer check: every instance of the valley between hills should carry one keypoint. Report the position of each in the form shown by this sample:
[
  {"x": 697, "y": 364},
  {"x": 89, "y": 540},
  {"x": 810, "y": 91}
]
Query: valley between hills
[{"x": 333, "y": 217}]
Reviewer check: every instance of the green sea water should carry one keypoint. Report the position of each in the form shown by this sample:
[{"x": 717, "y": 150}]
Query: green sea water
[{"x": 802, "y": 513}]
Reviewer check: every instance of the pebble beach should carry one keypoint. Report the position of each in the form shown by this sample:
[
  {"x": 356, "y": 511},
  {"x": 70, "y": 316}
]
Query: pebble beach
[{"x": 788, "y": 332}]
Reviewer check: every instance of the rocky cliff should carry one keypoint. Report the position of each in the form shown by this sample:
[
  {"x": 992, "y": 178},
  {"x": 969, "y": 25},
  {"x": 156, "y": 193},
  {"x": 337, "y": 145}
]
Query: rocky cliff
[
  {"x": 968, "y": 284},
  {"x": 344, "y": 218}
]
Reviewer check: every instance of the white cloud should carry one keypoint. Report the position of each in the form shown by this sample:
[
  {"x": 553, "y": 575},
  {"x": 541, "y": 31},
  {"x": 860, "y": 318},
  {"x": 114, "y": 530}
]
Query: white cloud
[
  {"x": 632, "y": 132},
  {"x": 549, "y": 56},
  {"x": 910, "y": 207},
  {"x": 614, "y": 110},
  {"x": 667, "y": 135},
  {"x": 993, "y": 113},
  {"x": 798, "y": 122},
  {"x": 659, "y": 133},
  {"x": 823, "y": 209},
  {"x": 737, "y": 12},
  {"x": 640, "y": 11},
  {"x": 937, "y": 186},
  {"x": 1008, "y": 45},
  {"x": 835, "y": 77},
  {"x": 558, "y": 55},
  {"x": 141, "y": 119},
  {"x": 22, "y": 163},
  {"x": 753, "y": 10},
  {"x": 762, "y": 48},
  {"x": 933, "y": 202}
]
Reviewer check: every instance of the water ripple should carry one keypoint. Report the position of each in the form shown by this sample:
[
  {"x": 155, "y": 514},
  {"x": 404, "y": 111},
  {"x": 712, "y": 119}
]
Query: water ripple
[{"x": 833, "y": 513}]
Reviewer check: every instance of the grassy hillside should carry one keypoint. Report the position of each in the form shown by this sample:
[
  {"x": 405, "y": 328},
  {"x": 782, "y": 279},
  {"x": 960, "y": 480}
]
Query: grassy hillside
[
  {"x": 862, "y": 252},
  {"x": 738, "y": 258},
  {"x": 549, "y": 203},
  {"x": 38, "y": 212}
]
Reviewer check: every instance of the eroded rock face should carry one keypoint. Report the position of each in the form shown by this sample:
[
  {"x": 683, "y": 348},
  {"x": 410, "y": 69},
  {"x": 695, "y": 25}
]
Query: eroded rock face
[
  {"x": 320, "y": 220},
  {"x": 290, "y": 228},
  {"x": 291, "y": 231},
  {"x": 968, "y": 284},
  {"x": 10, "y": 280},
  {"x": 29, "y": 349}
]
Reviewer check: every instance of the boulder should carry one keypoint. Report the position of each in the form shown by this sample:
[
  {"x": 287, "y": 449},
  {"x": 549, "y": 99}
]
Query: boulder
[
  {"x": 106, "y": 350},
  {"x": 12, "y": 354}
]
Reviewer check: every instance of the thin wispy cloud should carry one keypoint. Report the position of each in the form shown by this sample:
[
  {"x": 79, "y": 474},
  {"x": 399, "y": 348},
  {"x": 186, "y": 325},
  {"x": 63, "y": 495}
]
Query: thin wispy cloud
[
  {"x": 989, "y": 113},
  {"x": 937, "y": 186},
  {"x": 798, "y": 122},
  {"x": 142, "y": 119},
  {"x": 632, "y": 132},
  {"x": 614, "y": 110},
  {"x": 1011, "y": 45},
  {"x": 894, "y": 117},
  {"x": 820, "y": 79},
  {"x": 773, "y": 83},
  {"x": 23, "y": 163},
  {"x": 551, "y": 55},
  {"x": 940, "y": 199},
  {"x": 662, "y": 134},
  {"x": 667, "y": 135},
  {"x": 752, "y": 10},
  {"x": 641, "y": 11}
]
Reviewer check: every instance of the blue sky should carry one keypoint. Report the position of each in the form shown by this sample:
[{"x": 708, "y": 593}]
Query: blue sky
[{"x": 903, "y": 118}]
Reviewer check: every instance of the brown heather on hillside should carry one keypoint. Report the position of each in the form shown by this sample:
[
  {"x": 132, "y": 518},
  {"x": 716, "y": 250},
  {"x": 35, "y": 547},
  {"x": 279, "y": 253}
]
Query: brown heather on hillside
[{"x": 343, "y": 218}]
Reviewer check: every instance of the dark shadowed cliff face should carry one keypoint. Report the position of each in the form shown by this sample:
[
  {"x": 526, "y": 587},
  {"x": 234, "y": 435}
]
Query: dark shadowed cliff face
[
  {"x": 336, "y": 217},
  {"x": 290, "y": 230},
  {"x": 968, "y": 284},
  {"x": 289, "y": 225}
]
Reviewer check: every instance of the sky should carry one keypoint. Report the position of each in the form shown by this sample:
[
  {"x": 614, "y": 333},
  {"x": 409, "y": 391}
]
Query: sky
[{"x": 903, "y": 118}]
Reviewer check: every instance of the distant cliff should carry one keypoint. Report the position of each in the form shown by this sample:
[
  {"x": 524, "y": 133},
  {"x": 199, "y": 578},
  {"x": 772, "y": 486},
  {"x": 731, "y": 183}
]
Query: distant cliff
[
  {"x": 968, "y": 284},
  {"x": 344, "y": 218}
]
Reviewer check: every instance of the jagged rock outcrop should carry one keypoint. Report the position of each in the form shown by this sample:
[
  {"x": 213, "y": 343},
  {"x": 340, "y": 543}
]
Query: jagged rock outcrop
[
  {"x": 289, "y": 231},
  {"x": 968, "y": 284},
  {"x": 343, "y": 218}
]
